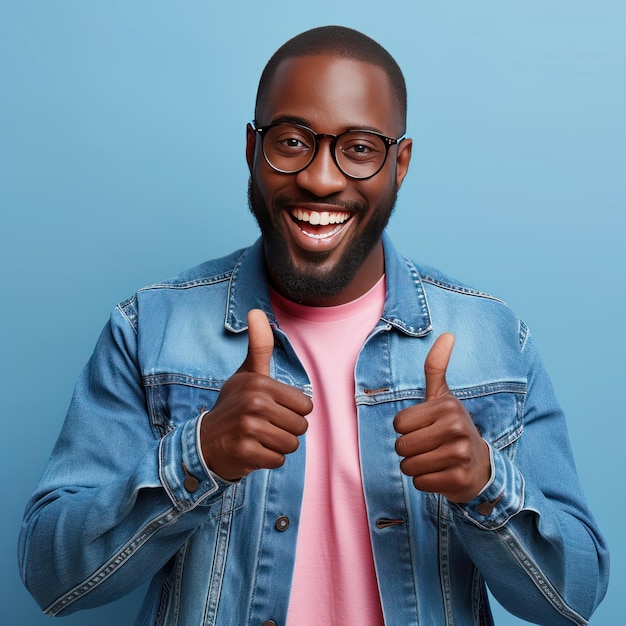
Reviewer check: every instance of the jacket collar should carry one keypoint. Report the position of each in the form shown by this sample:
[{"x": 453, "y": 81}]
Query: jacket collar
[{"x": 406, "y": 306}]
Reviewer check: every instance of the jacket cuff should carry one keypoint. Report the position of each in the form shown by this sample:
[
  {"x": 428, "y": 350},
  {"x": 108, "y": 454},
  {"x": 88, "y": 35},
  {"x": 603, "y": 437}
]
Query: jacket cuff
[
  {"x": 501, "y": 498},
  {"x": 182, "y": 471}
]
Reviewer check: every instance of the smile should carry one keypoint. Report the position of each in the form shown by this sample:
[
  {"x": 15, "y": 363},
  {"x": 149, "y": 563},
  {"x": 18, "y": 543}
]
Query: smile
[
  {"x": 320, "y": 219},
  {"x": 323, "y": 218}
]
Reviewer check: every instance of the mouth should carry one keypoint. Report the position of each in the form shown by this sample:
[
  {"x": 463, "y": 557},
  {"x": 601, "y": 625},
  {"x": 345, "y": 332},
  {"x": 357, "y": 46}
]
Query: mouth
[{"x": 320, "y": 224}]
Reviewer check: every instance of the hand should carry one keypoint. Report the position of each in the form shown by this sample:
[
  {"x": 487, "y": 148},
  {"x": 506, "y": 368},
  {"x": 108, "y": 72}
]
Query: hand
[
  {"x": 442, "y": 449},
  {"x": 256, "y": 420}
]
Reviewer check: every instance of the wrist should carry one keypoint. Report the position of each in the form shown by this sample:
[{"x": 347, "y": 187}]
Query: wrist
[{"x": 202, "y": 454}]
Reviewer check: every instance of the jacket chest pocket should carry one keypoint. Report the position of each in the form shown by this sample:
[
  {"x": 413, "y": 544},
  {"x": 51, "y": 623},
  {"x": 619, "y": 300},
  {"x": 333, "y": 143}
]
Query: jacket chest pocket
[
  {"x": 498, "y": 412},
  {"x": 174, "y": 399}
]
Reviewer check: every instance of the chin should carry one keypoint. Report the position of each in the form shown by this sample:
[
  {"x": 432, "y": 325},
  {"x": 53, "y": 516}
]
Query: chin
[{"x": 303, "y": 286}]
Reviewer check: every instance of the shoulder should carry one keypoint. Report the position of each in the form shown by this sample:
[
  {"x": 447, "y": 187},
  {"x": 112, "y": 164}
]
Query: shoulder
[
  {"x": 433, "y": 279},
  {"x": 194, "y": 283},
  {"x": 464, "y": 307},
  {"x": 207, "y": 273}
]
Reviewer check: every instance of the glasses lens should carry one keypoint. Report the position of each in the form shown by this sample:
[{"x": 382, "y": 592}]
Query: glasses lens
[
  {"x": 360, "y": 153},
  {"x": 288, "y": 148}
]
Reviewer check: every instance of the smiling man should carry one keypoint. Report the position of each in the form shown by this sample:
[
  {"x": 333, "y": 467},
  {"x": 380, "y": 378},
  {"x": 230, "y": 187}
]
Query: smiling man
[{"x": 315, "y": 429}]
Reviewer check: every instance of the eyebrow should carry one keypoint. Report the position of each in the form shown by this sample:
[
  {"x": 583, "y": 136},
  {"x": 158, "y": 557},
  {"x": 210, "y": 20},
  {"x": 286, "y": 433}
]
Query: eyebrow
[
  {"x": 293, "y": 119},
  {"x": 290, "y": 119}
]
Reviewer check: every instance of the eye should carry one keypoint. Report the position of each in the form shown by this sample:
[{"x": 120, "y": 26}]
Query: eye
[
  {"x": 361, "y": 147},
  {"x": 358, "y": 148},
  {"x": 291, "y": 142},
  {"x": 288, "y": 141}
]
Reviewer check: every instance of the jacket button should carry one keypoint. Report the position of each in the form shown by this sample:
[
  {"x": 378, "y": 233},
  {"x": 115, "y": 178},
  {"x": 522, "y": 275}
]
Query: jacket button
[
  {"x": 191, "y": 483},
  {"x": 282, "y": 524},
  {"x": 269, "y": 622}
]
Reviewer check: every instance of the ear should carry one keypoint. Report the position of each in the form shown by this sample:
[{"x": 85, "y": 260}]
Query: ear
[
  {"x": 250, "y": 145},
  {"x": 403, "y": 159}
]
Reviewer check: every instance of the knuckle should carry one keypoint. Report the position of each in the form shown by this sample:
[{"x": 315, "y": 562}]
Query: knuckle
[
  {"x": 244, "y": 450},
  {"x": 248, "y": 425},
  {"x": 457, "y": 429},
  {"x": 256, "y": 403},
  {"x": 451, "y": 405},
  {"x": 459, "y": 453},
  {"x": 449, "y": 401}
]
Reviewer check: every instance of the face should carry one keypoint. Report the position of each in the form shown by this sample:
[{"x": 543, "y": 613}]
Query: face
[{"x": 321, "y": 229}]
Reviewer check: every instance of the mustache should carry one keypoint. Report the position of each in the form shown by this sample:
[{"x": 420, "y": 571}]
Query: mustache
[{"x": 281, "y": 201}]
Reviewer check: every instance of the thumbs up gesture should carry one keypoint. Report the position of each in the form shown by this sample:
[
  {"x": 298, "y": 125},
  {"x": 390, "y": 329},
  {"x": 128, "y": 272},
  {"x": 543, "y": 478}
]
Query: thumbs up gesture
[
  {"x": 256, "y": 420},
  {"x": 442, "y": 449}
]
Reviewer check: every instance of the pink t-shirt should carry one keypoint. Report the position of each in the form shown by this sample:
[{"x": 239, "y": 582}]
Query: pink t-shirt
[{"x": 334, "y": 579}]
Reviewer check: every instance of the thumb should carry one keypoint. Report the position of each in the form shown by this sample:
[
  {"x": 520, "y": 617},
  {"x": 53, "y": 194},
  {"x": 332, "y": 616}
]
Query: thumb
[
  {"x": 260, "y": 343},
  {"x": 436, "y": 365}
]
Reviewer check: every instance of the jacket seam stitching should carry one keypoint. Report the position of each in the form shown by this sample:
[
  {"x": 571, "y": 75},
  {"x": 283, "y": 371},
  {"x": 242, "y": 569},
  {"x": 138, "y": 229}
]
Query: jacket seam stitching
[
  {"x": 537, "y": 576},
  {"x": 220, "y": 556},
  {"x": 122, "y": 310},
  {"x": 466, "y": 291},
  {"x": 443, "y": 529},
  {"x": 112, "y": 565},
  {"x": 205, "y": 281}
]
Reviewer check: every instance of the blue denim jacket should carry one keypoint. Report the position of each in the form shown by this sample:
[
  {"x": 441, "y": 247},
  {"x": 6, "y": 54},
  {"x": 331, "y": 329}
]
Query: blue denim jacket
[{"x": 125, "y": 497}]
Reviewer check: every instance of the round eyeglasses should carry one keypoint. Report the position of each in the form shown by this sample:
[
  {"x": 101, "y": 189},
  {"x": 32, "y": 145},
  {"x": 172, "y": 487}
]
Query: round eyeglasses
[{"x": 290, "y": 148}]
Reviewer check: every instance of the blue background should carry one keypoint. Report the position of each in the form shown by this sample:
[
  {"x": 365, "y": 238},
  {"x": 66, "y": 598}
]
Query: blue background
[{"x": 122, "y": 163}]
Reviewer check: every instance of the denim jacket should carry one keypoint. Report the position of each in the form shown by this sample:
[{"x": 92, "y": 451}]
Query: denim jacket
[{"x": 126, "y": 497}]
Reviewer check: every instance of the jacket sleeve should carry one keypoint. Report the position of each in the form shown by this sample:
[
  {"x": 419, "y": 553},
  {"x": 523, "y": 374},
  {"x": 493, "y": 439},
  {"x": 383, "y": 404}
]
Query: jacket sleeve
[
  {"x": 530, "y": 532},
  {"x": 117, "y": 498}
]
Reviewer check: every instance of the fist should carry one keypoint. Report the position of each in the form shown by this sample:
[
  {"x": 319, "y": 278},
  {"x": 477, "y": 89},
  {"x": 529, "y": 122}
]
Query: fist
[
  {"x": 441, "y": 448},
  {"x": 256, "y": 420}
]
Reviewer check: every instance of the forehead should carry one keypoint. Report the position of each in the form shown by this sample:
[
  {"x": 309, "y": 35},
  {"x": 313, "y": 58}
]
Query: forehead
[{"x": 331, "y": 94}]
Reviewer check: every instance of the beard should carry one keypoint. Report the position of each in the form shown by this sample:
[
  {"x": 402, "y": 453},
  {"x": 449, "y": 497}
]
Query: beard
[{"x": 310, "y": 281}]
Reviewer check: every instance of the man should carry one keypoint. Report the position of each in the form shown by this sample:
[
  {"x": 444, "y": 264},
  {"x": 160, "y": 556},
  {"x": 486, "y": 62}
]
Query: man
[{"x": 289, "y": 435}]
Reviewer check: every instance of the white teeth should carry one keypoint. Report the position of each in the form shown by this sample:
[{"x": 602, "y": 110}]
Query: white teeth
[{"x": 323, "y": 218}]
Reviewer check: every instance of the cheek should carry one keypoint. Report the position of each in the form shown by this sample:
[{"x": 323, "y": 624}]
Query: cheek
[
  {"x": 268, "y": 183},
  {"x": 379, "y": 191}
]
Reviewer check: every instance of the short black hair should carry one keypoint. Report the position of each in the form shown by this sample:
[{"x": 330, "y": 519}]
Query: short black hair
[{"x": 336, "y": 41}]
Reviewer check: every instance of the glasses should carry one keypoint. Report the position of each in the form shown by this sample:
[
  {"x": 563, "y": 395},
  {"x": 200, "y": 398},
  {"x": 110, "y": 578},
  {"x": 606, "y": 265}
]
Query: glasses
[{"x": 290, "y": 148}]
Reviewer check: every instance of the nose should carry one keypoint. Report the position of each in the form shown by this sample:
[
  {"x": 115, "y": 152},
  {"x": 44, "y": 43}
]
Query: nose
[{"x": 322, "y": 177}]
